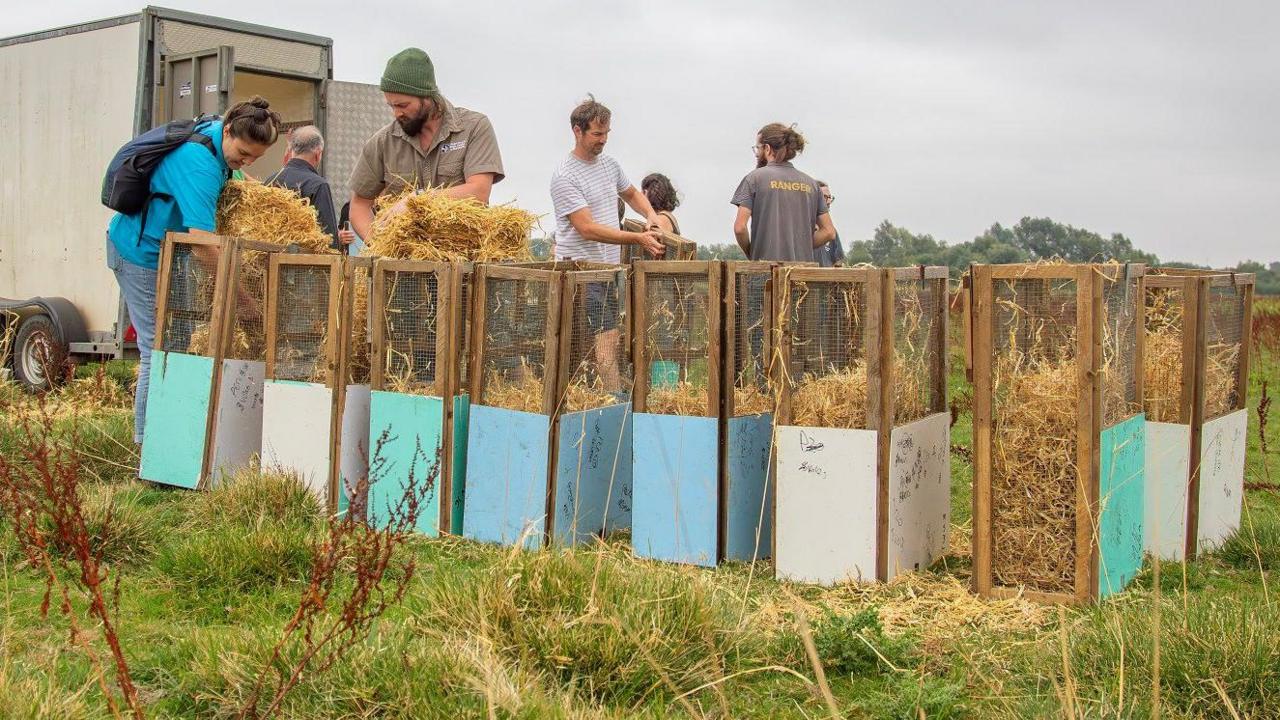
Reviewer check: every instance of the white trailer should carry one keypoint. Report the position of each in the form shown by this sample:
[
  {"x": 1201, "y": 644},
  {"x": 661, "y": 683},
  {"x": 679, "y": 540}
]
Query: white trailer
[{"x": 74, "y": 95}]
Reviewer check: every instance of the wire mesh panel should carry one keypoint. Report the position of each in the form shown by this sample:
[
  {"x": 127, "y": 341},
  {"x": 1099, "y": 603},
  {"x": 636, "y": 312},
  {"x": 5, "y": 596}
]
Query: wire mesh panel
[
  {"x": 514, "y": 354},
  {"x": 597, "y": 367},
  {"x": 1224, "y": 325},
  {"x": 248, "y": 306},
  {"x": 678, "y": 308},
  {"x": 463, "y": 277},
  {"x": 1120, "y": 298},
  {"x": 300, "y": 341},
  {"x": 749, "y": 339},
  {"x": 188, "y": 315},
  {"x": 355, "y": 321},
  {"x": 828, "y": 331},
  {"x": 413, "y": 318},
  {"x": 919, "y": 349},
  {"x": 1164, "y": 353},
  {"x": 1034, "y": 410}
]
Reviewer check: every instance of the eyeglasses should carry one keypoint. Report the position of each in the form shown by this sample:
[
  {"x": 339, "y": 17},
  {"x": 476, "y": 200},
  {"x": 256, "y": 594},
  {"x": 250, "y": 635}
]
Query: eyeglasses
[
  {"x": 829, "y": 198},
  {"x": 755, "y": 149}
]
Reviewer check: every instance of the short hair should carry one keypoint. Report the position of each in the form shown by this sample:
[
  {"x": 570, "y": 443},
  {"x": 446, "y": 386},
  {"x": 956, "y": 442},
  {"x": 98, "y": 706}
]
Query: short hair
[
  {"x": 589, "y": 111},
  {"x": 785, "y": 140},
  {"x": 306, "y": 140}
]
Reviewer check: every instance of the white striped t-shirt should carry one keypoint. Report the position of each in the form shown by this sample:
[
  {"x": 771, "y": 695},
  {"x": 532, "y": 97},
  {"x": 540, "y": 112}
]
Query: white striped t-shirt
[{"x": 596, "y": 185}]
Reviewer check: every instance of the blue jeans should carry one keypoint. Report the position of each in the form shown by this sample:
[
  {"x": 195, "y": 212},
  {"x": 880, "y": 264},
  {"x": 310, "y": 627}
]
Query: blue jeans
[{"x": 138, "y": 287}]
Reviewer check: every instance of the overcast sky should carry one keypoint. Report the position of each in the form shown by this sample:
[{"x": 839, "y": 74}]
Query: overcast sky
[{"x": 1155, "y": 120}]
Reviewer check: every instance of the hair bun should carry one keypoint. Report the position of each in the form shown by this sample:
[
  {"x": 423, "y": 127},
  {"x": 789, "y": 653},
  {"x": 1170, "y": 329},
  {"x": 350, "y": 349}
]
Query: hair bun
[{"x": 259, "y": 102}]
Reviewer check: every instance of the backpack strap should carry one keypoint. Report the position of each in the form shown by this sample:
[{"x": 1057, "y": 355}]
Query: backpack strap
[{"x": 196, "y": 137}]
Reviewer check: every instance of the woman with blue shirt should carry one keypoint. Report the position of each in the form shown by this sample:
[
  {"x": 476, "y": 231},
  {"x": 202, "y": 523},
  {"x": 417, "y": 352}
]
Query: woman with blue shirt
[{"x": 184, "y": 198}]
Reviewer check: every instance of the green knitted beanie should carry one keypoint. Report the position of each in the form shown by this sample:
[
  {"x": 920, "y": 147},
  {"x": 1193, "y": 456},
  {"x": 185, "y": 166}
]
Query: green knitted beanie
[{"x": 410, "y": 72}]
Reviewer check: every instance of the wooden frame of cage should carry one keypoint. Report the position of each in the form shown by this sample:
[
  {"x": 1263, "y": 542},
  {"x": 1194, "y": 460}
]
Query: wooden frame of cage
[
  {"x": 1089, "y": 285},
  {"x": 878, "y": 341},
  {"x": 1195, "y": 286},
  {"x": 449, "y": 348},
  {"x": 678, "y": 247},
  {"x": 641, "y": 270},
  {"x": 333, "y": 354},
  {"x": 564, "y": 279}
]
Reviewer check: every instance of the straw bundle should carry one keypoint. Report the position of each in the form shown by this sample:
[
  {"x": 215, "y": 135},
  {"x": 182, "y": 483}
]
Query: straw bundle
[
  {"x": 751, "y": 400},
  {"x": 682, "y": 398},
  {"x": 587, "y": 393},
  {"x": 270, "y": 214},
  {"x": 520, "y": 390},
  {"x": 837, "y": 399},
  {"x": 1221, "y": 362},
  {"x": 433, "y": 226},
  {"x": 1162, "y": 355},
  {"x": 199, "y": 343}
]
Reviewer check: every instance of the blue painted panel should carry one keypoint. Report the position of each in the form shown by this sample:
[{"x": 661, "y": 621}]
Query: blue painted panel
[
  {"x": 1122, "y": 461},
  {"x": 461, "y": 416},
  {"x": 675, "y": 488},
  {"x": 405, "y": 432},
  {"x": 177, "y": 424},
  {"x": 507, "y": 467},
  {"x": 750, "y": 488},
  {"x": 592, "y": 469}
]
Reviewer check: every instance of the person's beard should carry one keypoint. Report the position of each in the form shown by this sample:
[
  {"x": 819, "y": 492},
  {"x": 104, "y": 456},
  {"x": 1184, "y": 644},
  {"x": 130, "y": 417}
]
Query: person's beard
[
  {"x": 413, "y": 126},
  {"x": 760, "y": 161}
]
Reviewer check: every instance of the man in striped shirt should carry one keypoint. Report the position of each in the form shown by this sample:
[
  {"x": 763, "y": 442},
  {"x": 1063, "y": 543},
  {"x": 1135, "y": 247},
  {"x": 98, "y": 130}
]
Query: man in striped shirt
[{"x": 584, "y": 191}]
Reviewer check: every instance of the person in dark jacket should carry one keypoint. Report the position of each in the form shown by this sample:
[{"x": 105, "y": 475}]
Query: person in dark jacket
[{"x": 301, "y": 175}]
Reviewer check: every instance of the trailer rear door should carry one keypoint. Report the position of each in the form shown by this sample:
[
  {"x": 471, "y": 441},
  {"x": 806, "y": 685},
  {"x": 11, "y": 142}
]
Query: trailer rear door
[{"x": 353, "y": 113}]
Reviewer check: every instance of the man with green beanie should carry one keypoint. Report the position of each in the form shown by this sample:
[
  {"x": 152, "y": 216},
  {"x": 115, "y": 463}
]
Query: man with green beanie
[{"x": 430, "y": 143}]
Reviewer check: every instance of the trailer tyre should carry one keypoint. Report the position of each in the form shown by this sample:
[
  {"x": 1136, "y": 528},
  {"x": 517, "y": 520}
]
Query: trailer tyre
[{"x": 38, "y": 353}]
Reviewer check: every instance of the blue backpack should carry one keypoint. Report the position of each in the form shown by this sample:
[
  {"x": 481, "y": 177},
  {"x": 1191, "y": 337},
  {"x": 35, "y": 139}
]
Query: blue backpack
[{"x": 126, "y": 188}]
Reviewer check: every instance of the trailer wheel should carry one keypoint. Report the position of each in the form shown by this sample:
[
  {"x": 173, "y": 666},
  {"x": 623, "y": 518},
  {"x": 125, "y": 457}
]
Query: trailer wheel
[{"x": 38, "y": 353}]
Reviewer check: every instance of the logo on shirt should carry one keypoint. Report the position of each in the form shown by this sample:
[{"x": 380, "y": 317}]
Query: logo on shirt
[
  {"x": 795, "y": 186},
  {"x": 450, "y": 147}
]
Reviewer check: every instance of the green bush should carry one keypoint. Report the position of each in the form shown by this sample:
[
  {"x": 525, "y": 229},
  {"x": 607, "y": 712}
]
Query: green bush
[{"x": 857, "y": 644}]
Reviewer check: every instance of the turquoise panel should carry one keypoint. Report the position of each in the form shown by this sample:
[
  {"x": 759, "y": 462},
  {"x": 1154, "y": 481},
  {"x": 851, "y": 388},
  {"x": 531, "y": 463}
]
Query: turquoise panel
[
  {"x": 749, "y": 497},
  {"x": 461, "y": 416},
  {"x": 1122, "y": 460},
  {"x": 593, "y": 474},
  {"x": 405, "y": 433},
  {"x": 675, "y": 488},
  {"x": 177, "y": 424},
  {"x": 507, "y": 468}
]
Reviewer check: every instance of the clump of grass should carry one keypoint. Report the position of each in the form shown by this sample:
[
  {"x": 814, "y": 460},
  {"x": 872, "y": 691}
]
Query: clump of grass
[
  {"x": 121, "y": 526},
  {"x": 856, "y": 644},
  {"x": 1211, "y": 647},
  {"x": 1256, "y": 545},
  {"x": 910, "y": 696},
  {"x": 229, "y": 560},
  {"x": 595, "y": 623},
  {"x": 252, "y": 497}
]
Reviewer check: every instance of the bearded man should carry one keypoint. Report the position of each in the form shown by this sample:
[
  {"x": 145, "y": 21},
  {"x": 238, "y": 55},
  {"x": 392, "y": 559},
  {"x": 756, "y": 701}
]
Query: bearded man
[{"x": 430, "y": 144}]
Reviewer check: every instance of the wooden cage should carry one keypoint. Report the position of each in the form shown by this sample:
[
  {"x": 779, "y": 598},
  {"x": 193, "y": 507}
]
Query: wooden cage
[
  {"x": 548, "y": 437},
  {"x": 677, "y": 247},
  {"x": 204, "y": 408},
  {"x": 863, "y": 463},
  {"x": 1058, "y": 498},
  {"x": 1195, "y": 384},
  {"x": 416, "y": 333}
]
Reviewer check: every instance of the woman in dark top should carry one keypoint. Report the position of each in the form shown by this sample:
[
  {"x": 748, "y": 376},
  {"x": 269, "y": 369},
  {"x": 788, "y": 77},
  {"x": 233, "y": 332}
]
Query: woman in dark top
[{"x": 664, "y": 199}]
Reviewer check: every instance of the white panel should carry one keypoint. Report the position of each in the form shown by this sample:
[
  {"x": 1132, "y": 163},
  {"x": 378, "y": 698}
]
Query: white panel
[
  {"x": 1168, "y": 474},
  {"x": 295, "y": 431},
  {"x": 68, "y": 106},
  {"x": 825, "y": 518},
  {"x": 919, "y": 493},
  {"x": 1222, "y": 448},
  {"x": 355, "y": 437},
  {"x": 237, "y": 430}
]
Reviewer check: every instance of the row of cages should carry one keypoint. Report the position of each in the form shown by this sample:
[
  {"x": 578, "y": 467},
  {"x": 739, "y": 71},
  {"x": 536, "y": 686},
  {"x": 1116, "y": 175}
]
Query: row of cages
[
  {"x": 1109, "y": 421},
  {"x": 721, "y": 410}
]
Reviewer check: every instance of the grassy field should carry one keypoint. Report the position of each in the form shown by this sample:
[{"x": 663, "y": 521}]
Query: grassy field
[{"x": 206, "y": 582}]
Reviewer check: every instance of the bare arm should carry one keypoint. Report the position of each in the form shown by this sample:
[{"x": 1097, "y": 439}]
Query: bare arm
[
  {"x": 740, "y": 224},
  {"x": 826, "y": 231},
  {"x": 640, "y": 204},
  {"x": 361, "y": 215},
  {"x": 589, "y": 229},
  {"x": 477, "y": 186}
]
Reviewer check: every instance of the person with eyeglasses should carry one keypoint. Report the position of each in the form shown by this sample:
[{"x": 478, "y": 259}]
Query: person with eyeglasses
[
  {"x": 782, "y": 215},
  {"x": 831, "y": 254}
]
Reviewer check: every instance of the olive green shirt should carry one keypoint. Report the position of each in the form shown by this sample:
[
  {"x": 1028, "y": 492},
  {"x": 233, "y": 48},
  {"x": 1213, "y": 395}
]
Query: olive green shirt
[{"x": 464, "y": 146}]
